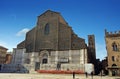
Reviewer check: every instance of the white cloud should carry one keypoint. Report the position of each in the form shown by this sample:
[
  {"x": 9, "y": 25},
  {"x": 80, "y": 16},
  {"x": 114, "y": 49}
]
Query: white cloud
[{"x": 22, "y": 32}]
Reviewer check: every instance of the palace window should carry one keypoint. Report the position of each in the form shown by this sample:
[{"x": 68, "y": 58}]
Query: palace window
[
  {"x": 47, "y": 29},
  {"x": 114, "y": 46},
  {"x": 113, "y": 58}
]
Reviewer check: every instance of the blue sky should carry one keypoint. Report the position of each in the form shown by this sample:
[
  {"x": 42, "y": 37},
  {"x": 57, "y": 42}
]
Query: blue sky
[{"x": 84, "y": 16}]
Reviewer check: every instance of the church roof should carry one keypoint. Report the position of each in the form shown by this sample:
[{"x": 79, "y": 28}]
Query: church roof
[
  {"x": 52, "y": 12},
  {"x": 49, "y": 11}
]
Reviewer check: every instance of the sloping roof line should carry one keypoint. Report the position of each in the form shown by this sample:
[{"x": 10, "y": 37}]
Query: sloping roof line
[
  {"x": 48, "y": 11},
  {"x": 3, "y": 47},
  {"x": 54, "y": 12}
]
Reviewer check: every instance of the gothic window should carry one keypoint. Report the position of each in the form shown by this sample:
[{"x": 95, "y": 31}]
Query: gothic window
[
  {"x": 114, "y": 46},
  {"x": 47, "y": 29}
]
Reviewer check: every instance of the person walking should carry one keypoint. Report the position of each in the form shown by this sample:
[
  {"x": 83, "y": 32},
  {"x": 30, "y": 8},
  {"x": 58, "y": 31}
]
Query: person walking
[
  {"x": 86, "y": 74},
  {"x": 92, "y": 74},
  {"x": 73, "y": 75}
]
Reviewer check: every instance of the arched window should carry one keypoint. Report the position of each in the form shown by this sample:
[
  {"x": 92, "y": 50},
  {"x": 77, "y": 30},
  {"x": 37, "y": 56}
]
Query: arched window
[
  {"x": 114, "y": 65},
  {"x": 47, "y": 29},
  {"x": 113, "y": 58},
  {"x": 114, "y": 46},
  {"x": 45, "y": 59}
]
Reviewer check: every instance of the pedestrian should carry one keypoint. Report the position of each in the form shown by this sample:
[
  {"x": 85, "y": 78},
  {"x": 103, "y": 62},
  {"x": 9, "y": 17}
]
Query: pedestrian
[
  {"x": 101, "y": 73},
  {"x": 58, "y": 66},
  {"x": 92, "y": 74},
  {"x": 86, "y": 74},
  {"x": 73, "y": 75}
]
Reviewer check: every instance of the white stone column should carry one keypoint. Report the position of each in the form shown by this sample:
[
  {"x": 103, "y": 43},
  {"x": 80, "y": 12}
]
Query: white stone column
[
  {"x": 31, "y": 55},
  {"x": 56, "y": 57},
  {"x": 82, "y": 56},
  {"x": 36, "y": 57},
  {"x": 33, "y": 60},
  {"x": 70, "y": 58},
  {"x": 86, "y": 56},
  {"x": 49, "y": 59}
]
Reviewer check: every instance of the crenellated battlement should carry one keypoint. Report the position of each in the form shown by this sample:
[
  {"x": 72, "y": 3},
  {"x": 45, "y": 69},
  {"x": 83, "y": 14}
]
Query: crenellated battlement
[{"x": 112, "y": 34}]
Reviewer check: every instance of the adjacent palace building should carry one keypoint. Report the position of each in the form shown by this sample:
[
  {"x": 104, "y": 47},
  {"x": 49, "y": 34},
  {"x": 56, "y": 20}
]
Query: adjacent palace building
[
  {"x": 52, "y": 44},
  {"x": 113, "y": 52},
  {"x": 3, "y": 52}
]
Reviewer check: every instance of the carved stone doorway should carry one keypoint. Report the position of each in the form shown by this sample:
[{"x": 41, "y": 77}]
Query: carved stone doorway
[{"x": 44, "y": 57}]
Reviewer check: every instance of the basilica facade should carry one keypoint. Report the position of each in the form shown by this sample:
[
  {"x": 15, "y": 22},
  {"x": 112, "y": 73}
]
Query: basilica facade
[{"x": 52, "y": 44}]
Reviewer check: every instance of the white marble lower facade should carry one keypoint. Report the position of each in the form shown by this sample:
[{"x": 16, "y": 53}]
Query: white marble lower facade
[
  {"x": 52, "y": 60},
  {"x": 18, "y": 56}
]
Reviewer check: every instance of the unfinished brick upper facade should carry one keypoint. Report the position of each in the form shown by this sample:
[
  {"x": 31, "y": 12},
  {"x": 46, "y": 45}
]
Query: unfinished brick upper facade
[{"x": 51, "y": 33}]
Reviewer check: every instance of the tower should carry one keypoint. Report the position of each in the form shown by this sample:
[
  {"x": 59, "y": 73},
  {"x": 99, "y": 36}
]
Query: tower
[
  {"x": 113, "y": 52},
  {"x": 91, "y": 48}
]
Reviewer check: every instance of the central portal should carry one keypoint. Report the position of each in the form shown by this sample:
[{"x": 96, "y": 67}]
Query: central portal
[{"x": 44, "y": 57}]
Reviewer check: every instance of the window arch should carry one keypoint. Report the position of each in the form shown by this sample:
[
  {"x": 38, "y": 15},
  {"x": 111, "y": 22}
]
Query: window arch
[
  {"x": 114, "y": 65},
  {"x": 113, "y": 58},
  {"x": 45, "y": 58},
  {"x": 114, "y": 46},
  {"x": 47, "y": 29}
]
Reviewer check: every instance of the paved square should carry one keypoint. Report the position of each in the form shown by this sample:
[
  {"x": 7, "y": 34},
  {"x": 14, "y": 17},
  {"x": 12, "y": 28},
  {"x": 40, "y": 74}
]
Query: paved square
[{"x": 49, "y": 76}]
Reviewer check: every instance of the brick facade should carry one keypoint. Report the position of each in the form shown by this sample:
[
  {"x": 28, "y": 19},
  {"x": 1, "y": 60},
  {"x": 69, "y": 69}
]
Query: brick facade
[
  {"x": 3, "y": 52},
  {"x": 60, "y": 36},
  {"x": 52, "y": 44}
]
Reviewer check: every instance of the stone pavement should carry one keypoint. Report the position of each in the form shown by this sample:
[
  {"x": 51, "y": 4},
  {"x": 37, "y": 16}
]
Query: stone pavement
[{"x": 49, "y": 76}]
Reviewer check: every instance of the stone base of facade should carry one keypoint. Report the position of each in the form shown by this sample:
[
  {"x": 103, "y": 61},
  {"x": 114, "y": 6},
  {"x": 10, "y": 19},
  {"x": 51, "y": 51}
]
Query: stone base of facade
[
  {"x": 56, "y": 60},
  {"x": 63, "y": 67}
]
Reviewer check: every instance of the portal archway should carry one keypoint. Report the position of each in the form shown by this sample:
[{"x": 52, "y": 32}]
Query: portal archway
[
  {"x": 114, "y": 70},
  {"x": 44, "y": 57}
]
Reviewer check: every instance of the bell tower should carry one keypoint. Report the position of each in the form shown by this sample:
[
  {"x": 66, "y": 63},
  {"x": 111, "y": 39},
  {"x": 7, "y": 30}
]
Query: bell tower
[{"x": 91, "y": 48}]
